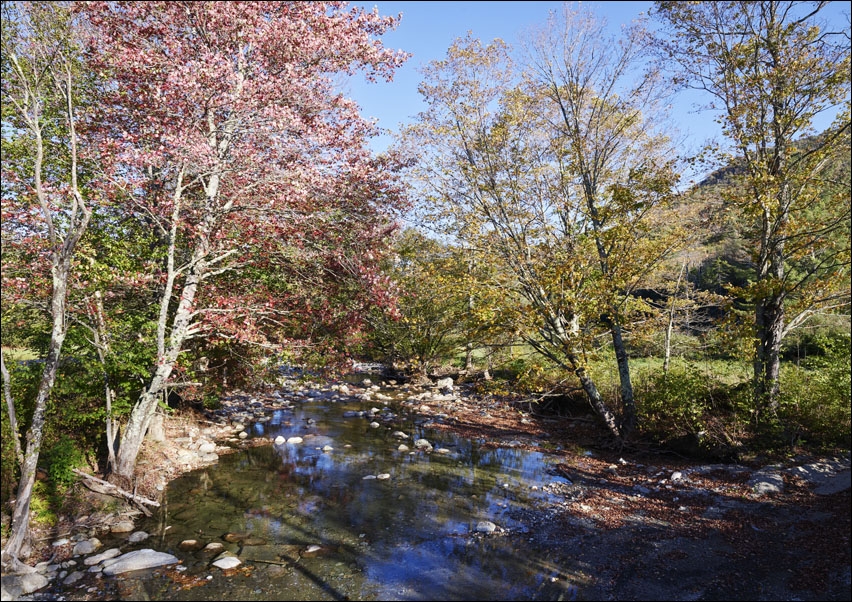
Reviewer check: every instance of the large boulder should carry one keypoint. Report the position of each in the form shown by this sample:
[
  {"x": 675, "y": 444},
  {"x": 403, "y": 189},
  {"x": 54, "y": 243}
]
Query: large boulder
[{"x": 137, "y": 560}]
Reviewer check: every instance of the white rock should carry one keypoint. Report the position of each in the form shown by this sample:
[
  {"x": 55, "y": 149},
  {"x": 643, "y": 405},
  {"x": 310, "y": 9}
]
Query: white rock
[
  {"x": 227, "y": 561},
  {"x": 279, "y": 440},
  {"x": 294, "y": 440},
  {"x": 87, "y": 546},
  {"x": 485, "y": 526},
  {"x": 137, "y": 560},
  {"x": 105, "y": 555},
  {"x": 137, "y": 536}
]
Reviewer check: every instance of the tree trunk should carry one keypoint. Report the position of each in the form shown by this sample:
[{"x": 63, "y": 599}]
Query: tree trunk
[
  {"x": 769, "y": 319},
  {"x": 629, "y": 418},
  {"x": 145, "y": 407},
  {"x": 597, "y": 402},
  {"x": 10, "y": 408},
  {"x": 670, "y": 325},
  {"x": 21, "y": 514}
]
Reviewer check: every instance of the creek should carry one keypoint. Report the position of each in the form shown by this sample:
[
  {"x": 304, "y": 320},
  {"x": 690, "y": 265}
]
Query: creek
[{"x": 347, "y": 514}]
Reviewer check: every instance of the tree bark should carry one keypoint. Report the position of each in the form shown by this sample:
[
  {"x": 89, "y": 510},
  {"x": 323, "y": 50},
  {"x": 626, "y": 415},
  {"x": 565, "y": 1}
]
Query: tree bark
[{"x": 21, "y": 514}]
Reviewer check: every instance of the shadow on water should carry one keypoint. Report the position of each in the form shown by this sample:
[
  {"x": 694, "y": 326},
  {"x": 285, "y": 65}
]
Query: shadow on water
[{"x": 347, "y": 515}]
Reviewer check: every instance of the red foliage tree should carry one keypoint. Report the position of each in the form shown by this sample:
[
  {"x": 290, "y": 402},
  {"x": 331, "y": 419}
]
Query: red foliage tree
[{"x": 235, "y": 146}]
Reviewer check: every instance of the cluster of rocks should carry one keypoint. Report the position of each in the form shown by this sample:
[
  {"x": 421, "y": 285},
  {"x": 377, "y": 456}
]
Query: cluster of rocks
[{"x": 85, "y": 558}]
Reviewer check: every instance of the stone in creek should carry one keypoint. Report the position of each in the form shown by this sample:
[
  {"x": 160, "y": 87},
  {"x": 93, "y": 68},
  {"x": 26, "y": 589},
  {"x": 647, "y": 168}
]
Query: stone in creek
[
  {"x": 485, "y": 526},
  {"x": 295, "y": 440},
  {"x": 87, "y": 546},
  {"x": 226, "y": 561},
  {"x": 213, "y": 546},
  {"x": 98, "y": 558},
  {"x": 137, "y": 560},
  {"x": 315, "y": 550},
  {"x": 234, "y": 537},
  {"x": 423, "y": 444},
  {"x": 137, "y": 536},
  {"x": 190, "y": 545},
  {"x": 254, "y": 541},
  {"x": 122, "y": 526},
  {"x": 383, "y": 477}
]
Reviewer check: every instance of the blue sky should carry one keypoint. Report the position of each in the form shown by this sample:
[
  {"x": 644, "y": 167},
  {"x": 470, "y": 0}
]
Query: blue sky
[{"x": 428, "y": 28}]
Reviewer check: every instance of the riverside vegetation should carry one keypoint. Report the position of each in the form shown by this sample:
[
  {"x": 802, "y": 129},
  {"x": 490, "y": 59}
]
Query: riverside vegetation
[{"x": 159, "y": 256}]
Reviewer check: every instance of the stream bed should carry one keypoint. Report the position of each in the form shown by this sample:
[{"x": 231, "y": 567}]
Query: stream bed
[{"x": 352, "y": 509}]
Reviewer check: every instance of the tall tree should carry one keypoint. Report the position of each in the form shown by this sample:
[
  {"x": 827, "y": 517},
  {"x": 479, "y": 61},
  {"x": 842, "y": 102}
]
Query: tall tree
[
  {"x": 771, "y": 68},
  {"x": 550, "y": 170},
  {"x": 45, "y": 209},
  {"x": 607, "y": 113},
  {"x": 237, "y": 150}
]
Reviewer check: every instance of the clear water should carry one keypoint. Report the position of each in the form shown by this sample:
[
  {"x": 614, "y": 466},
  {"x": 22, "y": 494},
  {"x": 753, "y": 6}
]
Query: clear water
[{"x": 309, "y": 526}]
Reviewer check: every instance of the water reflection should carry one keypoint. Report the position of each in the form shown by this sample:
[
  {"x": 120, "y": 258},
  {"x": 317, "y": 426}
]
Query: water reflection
[{"x": 308, "y": 524}]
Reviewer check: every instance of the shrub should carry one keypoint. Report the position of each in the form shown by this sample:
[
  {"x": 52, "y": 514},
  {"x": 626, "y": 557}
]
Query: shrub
[
  {"x": 674, "y": 403},
  {"x": 60, "y": 460}
]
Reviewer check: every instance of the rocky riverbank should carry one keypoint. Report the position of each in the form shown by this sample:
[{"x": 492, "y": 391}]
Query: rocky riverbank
[{"x": 645, "y": 525}]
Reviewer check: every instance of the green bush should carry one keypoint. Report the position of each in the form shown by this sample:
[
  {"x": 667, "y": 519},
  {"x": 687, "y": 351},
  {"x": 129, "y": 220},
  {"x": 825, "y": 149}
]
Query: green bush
[
  {"x": 815, "y": 404},
  {"x": 60, "y": 461},
  {"x": 674, "y": 403}
]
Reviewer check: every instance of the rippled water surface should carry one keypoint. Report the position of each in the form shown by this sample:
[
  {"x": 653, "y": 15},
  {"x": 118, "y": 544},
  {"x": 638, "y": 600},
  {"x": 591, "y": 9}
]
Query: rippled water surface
[{"x": 308, "y": 525}]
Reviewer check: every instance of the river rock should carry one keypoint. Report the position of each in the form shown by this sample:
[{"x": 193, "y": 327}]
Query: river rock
[
  {"x": 226, "y": 561},
  {"x": 423, "y": 444},
  {"x": 122, "y": 526},
  {"x": 105, "y": 555},
  {"x": 485, "y": 526},
  {"x": 73, "y": 578},
  {"x": 400, "y": 435},
  {"x": 293, "y": 440},
  {"x": 206, "y": 448},
  {"x": 213, "y": 547},
  {"x": 138, "y": 560},
  {"x": 444, "y": 385},
  {"x": 87, "y": 546},
  {"x": 190, "y": 545},
  {"x": 15, "y": 586},
  {"x": 279, "y": 440},
  {"x": 137, "y": 536},
  {"x": 402, "y": 447}
]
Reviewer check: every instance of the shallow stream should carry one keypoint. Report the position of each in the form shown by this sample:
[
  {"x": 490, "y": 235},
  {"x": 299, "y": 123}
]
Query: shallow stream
[{"x": 346, "y": 515}]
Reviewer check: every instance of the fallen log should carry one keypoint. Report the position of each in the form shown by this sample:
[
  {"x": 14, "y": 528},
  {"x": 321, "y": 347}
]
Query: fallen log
[{"x": 105, "y": 487}]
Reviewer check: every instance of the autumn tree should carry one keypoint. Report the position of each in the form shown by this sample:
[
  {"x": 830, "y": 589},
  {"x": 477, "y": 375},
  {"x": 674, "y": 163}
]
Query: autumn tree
[
  {"x": 552, "y": 170},
  {"x": 771, "y": 68},
  {"x": 614, "y": 158},
  {"x": 45, "y": 206},
  {"x": 445, "y": 307},
  {"x": 237, "y": 151}
]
